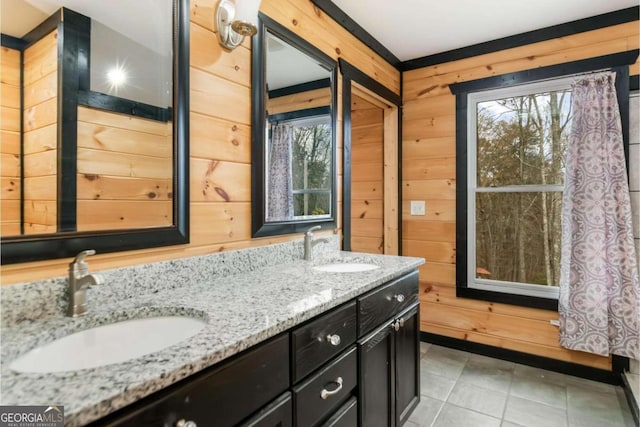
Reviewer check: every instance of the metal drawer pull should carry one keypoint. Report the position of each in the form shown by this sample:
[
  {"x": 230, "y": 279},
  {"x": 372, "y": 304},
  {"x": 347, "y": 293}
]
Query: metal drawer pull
[
  {"x": 396, "y": 326},
  {"x": 396, "y": 297},
  {"x": 326, "y": 393},
  {"x": 333, "y": 339},
  {"x": 185, "y": 423}
]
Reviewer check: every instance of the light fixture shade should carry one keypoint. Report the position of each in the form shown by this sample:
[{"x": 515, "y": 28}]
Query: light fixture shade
[
  {"x": 247, "y": 11},
  {"x": 235, "y": 21}
]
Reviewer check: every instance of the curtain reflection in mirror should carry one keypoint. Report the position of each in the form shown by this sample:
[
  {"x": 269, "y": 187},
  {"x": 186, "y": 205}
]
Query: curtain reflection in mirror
[{"x": 280, "y": 200}]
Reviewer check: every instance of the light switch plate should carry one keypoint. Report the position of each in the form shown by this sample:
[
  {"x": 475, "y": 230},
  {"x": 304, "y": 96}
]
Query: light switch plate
[{"x": 418, "y": 207}]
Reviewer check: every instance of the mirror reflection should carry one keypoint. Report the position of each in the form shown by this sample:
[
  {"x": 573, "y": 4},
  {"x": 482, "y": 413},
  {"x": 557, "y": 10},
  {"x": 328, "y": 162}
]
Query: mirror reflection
[
  {"x": 298, "y": 140},
  {"x": 87, "y": 120}
]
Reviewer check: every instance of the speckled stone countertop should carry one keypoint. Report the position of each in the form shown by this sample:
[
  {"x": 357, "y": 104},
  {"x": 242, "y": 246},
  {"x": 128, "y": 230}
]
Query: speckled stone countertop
[{"x": 254, "y": 294}]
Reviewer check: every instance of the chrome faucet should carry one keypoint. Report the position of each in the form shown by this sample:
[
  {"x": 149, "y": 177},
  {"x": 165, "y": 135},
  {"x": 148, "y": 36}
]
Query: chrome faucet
[
  {"x": 309, "y": 242},
  {"x": 79, "y": 280}
]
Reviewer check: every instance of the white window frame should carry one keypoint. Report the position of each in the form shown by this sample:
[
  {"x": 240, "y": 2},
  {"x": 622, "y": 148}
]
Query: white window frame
[{"x": 517, "y": 288}]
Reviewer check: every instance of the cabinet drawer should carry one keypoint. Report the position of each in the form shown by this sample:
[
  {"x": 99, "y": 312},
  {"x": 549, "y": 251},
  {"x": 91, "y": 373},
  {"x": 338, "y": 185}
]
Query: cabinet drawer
[
  {"x": 338, "y": 379},
  {"x": 346, "y": 416},
  {"x": 226, "y": 393},
  {"x": 313, "y": 345},
  {"x": 379, "y": 305},
  {"x": 276, "y": 414}
]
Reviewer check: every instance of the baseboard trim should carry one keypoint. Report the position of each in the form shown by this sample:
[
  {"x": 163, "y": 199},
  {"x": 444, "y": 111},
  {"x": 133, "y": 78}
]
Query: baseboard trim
[
  {"x": 631, "y": 400},
  {"x": 563, "y": 367}
]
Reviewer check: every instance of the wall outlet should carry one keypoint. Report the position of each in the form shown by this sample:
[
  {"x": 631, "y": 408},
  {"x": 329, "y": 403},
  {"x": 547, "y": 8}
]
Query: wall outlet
[{"x": 418, "y": 207}]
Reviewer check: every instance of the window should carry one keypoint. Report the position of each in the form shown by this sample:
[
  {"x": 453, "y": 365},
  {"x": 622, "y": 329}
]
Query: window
[
  {"x": 511, "y": 134},
  {"x": 311, "y": 159},
  {"x": 312, "y": 166},
  {"x": 517, "y": 137}
]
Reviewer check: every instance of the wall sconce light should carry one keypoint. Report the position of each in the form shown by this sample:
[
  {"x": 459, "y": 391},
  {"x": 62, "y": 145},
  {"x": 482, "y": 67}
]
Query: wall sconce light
[{"x": 236, "y": 20}]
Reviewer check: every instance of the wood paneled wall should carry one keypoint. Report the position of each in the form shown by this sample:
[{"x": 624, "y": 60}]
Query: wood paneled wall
[
  {"x": 220, "y": 142},
  {"x": 124, "y": 171},
  {"x": 300, "y": 101},
  {"x": 40, "y": 149},
  {"x": 10, "y": 141},
  {"x": 367, "y": 176},
  {"x": 429, "y": 166}
]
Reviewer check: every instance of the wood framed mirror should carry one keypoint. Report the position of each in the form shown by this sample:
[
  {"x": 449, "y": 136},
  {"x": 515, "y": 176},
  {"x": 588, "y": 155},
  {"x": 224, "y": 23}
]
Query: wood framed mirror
[
  {"x": 114, "y": 148},
  {"x": 293, "y": 133}
]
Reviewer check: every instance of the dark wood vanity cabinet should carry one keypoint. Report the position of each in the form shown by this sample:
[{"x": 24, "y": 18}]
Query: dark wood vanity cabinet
[
  {"x": 389, "y": 376},
  {"x": 223, "y": 395},
  {"x": 276, "y": 414},
  {"x": 357, "y": 364}
]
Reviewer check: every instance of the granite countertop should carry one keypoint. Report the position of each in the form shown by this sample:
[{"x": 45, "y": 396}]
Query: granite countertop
[{"x": 240, "y": 310}]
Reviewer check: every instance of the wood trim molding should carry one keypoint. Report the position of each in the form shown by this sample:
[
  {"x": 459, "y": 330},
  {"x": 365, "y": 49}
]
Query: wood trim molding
[
  {"x": 74, "y": 44},
  {"x": 338, "y": 15},
  {"x": 124, "y": 106},
  {"x": 631, "y": 399},
  {"x": 300, "y": 114},
  {"x": 12, "y": 42},
  {"x": 547, "y": 363},
  {"x": 565, "y": 69},
  {"x": 302, "y": 87},
  {"x": 561, "y": 30},
  {"x": 352, "y": 73}
]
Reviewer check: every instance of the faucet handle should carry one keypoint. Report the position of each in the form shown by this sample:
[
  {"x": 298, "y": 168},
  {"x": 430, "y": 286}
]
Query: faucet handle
[
  {"x": 314, "y": 228},
  {"x": 79, "y": 260}
]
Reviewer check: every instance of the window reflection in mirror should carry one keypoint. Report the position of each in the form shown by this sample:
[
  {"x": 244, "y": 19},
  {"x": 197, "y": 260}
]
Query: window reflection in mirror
[
  {"x": 298, "y": 139},
  {"x": 309, "y": 194}
]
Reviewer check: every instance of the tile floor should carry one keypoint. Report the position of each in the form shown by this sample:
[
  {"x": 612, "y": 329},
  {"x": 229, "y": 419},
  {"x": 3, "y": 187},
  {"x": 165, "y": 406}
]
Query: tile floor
[{"x": 462, "y": 389}]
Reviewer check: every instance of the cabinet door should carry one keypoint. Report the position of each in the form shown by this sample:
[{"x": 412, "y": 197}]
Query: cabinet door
[
  {"x": 222, "y": 396},
  {"x": 277, "y": 414},
  {"x": 407, "y": 346},
  {"x": 346, "y": 416},
  {"x": 376, "y": 378}
]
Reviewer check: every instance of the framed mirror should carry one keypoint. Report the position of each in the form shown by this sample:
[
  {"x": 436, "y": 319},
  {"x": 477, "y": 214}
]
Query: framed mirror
[
  {"x": 294, "y": 133},
  {"x": 95, "y": 138}
]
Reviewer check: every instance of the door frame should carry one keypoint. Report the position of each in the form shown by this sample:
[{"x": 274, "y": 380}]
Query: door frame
[{"x": 355, "y": 81}]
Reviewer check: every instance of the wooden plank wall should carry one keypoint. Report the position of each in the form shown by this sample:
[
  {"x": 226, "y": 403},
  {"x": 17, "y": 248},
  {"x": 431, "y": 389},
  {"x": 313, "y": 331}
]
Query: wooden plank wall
[
  {"x": 124, "y": 171},
  {"x": 299, "y": 101},
  {"x": 40, "y": 73},
  {"x": 220, "y": 144},
  {"x": 367, "y": 176},
  {"x": 429, "y": 174},
  {"x": 10, "y": 141}
]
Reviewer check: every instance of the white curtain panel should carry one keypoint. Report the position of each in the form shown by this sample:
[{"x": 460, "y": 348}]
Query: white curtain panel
[
  {"x": 598, "y": 302},
  {"x": 280, "y": 175}
]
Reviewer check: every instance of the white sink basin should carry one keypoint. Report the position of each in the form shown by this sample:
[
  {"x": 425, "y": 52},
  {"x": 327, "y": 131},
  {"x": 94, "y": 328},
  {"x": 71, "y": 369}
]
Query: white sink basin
[
  {"x": 346, "y": 267},
  {"x": 108, "y": 344}
]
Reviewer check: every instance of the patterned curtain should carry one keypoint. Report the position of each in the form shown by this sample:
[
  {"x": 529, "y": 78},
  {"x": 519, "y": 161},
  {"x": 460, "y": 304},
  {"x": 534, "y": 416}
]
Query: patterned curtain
[
  {"x": 598, "y": 302},
  {"x": 279, "y": 173}
]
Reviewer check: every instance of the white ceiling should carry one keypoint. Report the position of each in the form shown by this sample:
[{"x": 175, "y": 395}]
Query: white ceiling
[
  {"x": 415, "y": 28},
  {"x": 287, "y": 66},
  {"x": 145, "y": 21}
]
